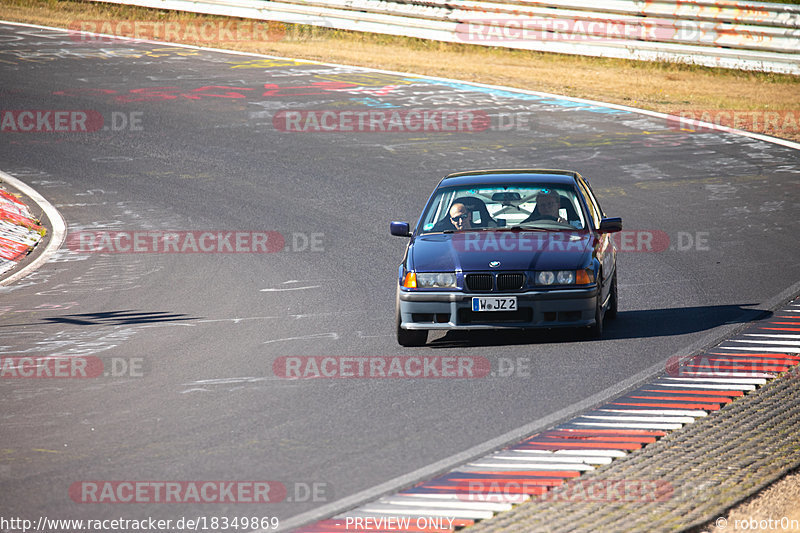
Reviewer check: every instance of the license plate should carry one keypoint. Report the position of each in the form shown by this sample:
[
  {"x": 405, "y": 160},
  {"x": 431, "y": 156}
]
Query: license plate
[{"x": 494, "y": 304}]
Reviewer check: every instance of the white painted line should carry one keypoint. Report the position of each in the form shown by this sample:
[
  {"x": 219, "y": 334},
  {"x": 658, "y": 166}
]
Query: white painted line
[
  {"x": 588, "y": 456},
  {"x": 57, "y": 235},
  {"x": 699, "y": 374},
  {"x": 600, "y": 453},
  {"x": 226, "y": 381},
  {"x": 654, "y": 419},
  {"x": 708, "y": 386},
  {"x": 433, "y": 496},
  {"x": 379, "y": 515},
  {"x": 628, "y": 426},
  {"x": 237, "y": 320},
  {"x": 597, "y": 459},
  {"x": 762, "y": 349},
  {"x": 420, "y": 511},
  {"x": 768, "y": 343},
  {"x": 533, "y": 465},
  {"x": 291, "y": 288},
  {"x": 446, "y": 504},
  {"x": 729, "y": 353},
  {"x": 526, "y": 455},
  {"x": 659, "y": 412},
  {"x": 329, "y": 335},
  {"x": 773, "y": 335},
  {"x": 517, "y": 456},
  {"x": 497, "y": 495},
  {"x": 731, "y": 381},
  {"x": 578, "y": 459}
]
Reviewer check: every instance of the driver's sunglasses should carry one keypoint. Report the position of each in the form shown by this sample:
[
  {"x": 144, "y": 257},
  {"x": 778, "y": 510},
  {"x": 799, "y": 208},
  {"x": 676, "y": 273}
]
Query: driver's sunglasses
[{"x": 459, "y": 217}]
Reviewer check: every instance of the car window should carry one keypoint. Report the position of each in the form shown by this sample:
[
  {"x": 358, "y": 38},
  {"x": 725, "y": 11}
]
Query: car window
[{"x": 498, "y": 206}]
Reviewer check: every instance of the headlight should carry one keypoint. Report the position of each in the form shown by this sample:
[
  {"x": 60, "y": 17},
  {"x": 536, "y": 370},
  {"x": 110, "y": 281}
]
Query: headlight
[
  {"x": 545, "y": 278},
  {"x": 565, "y": 277},
  {"x": 436, "y": 280}
]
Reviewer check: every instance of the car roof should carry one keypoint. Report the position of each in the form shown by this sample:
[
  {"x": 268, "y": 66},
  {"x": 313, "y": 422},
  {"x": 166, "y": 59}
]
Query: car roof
[{"x": 499, "y": 177}]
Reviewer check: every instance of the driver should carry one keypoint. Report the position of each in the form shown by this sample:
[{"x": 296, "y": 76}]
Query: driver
[{"x": 460, "y": 217}]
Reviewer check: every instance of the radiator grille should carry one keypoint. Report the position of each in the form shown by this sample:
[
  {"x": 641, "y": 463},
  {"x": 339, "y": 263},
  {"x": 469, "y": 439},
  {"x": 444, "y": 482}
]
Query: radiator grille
[
  {"x": 510, "y": 281},
  {"x": 480, "y": 282}
]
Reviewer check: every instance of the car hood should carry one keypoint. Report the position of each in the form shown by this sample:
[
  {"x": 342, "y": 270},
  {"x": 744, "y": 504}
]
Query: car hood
[{"x": 515, "y": 250}]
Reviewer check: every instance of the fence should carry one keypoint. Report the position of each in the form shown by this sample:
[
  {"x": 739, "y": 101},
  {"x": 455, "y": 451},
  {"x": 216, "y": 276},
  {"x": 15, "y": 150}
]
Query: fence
[{"x": 730, "y": 34}]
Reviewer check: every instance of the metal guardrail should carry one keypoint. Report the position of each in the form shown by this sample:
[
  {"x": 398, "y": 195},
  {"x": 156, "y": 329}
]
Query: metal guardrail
[{"x": 730, "y": 34}]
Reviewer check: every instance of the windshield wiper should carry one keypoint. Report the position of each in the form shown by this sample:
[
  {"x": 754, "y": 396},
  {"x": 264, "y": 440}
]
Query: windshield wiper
[
  {"x": 524, "y": 228},
  {"x": 503, "y": 228},
  {"x": 470, "y": 229}
]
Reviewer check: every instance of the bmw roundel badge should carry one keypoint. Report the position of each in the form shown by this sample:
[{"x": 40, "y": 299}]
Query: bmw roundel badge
[{"x": 494, "y": 264}]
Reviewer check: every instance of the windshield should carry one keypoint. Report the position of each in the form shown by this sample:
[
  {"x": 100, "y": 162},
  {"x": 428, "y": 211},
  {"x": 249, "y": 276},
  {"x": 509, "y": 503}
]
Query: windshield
[{"x": 540, "y": 207}]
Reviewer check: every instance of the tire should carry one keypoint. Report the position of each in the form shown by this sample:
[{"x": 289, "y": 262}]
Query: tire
[
  {"x": 410, "y": 337},
  {"x": 611, "y": 312},
  {"x": 596, "y": 330}
]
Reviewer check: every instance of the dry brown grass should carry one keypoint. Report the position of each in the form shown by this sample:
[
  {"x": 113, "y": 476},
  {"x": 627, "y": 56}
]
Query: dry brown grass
[
  {"x": 656, "y": 86},
  {"x": 777, "y": 502}
]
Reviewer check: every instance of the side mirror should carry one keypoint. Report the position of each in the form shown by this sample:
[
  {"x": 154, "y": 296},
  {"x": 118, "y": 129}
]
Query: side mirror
[
  {"x": 610, "y": 225},
  {"x": 400, "y": 229}
]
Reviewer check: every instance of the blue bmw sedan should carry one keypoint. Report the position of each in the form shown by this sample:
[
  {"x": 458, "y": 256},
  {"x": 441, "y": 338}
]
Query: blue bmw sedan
[{"x": 500, "y": 249}]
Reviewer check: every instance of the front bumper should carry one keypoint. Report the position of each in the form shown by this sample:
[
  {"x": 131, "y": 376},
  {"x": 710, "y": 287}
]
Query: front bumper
[{"x": 446, "y": 310}]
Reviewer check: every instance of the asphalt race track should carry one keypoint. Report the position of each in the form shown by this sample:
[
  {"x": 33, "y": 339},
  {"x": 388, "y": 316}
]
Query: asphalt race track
[{"x": 191, "y": 140}]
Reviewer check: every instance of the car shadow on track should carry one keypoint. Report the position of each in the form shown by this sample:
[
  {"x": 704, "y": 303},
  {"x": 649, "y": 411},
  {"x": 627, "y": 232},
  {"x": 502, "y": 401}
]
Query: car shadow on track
[{"x": 628, "y": 325}]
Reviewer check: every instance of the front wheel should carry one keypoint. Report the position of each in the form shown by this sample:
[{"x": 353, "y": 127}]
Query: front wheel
[
  {"x": 613, "y": 304},
  {"x": 596, "y": 330},
  {"x": 410, "y": 337}
]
